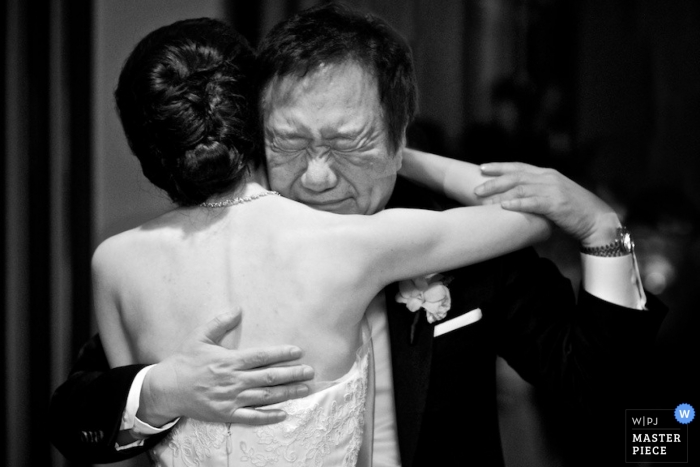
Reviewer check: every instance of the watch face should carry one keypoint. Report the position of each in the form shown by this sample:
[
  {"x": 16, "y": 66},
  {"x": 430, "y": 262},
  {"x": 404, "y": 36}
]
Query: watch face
[{"x": 627, "y": 243}]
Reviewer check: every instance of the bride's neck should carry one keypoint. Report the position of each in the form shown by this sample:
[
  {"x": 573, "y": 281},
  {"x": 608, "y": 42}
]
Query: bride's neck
[
  {"x": 252, "y": 184},
  {"x": 259, "y": 176}
]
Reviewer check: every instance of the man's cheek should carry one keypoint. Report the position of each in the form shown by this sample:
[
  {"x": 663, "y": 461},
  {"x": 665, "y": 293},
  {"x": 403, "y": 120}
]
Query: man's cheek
[
  {"x": 275, "y": 159},
  {"x": 280, "y": 179},
  {"x": 285, "y": 165}
]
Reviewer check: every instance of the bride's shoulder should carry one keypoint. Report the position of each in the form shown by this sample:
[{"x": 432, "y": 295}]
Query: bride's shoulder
[
  {"x": 122, "y": 245},
  {"x": 109, "y": 254},
  {"x": 122, "y": 250}
]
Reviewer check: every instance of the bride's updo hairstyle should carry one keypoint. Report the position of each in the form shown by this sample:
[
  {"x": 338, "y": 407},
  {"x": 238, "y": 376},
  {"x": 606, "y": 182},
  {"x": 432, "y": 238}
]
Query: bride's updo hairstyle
[{"x": 186, "y": 101}]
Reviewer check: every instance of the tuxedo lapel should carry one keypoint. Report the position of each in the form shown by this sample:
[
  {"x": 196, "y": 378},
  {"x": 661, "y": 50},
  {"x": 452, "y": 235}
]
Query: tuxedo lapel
[{"x": 411, "y": 354}]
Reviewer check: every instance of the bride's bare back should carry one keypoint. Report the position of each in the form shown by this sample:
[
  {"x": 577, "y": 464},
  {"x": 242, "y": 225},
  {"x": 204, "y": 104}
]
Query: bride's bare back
[
  {"x": 297, "y": 275},
  {"x": 173, "y": 274}
]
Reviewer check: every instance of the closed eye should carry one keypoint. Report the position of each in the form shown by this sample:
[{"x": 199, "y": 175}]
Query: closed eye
[
  {"x": 362, "y": 157},
  {"x": 289, "y": 150},
  {"x": 286, "y": 147}
]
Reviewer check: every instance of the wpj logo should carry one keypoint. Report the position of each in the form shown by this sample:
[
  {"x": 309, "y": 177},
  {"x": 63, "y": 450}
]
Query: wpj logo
[
  {"x": 685, "y": 413},
  {"x": 657, "y": 435}
]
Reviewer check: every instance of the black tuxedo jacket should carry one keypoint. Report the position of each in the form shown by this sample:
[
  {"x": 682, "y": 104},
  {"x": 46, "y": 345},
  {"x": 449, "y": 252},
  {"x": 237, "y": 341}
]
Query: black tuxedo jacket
[{"x": 445, "y": 386}]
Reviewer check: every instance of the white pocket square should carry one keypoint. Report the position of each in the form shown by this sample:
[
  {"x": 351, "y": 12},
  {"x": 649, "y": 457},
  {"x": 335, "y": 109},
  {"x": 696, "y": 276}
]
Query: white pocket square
[{"x": 458, "y": 322}]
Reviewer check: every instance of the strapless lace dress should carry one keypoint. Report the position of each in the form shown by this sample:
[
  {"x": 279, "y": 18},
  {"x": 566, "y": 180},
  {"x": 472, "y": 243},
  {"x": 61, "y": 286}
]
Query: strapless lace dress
[{"x": 322, "y": 429}]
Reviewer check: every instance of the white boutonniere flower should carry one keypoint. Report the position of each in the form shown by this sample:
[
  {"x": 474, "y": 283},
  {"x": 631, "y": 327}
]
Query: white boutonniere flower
[{"x": 428, "y": 292}]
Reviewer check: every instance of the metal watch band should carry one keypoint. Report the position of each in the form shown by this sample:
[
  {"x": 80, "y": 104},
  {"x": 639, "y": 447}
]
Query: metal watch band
[{"x": 623, "y": 245}]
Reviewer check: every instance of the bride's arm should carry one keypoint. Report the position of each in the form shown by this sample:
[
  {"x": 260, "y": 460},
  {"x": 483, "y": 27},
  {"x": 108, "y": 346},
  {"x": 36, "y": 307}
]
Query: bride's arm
[
  {"x": 398, "y": 244},
  {"x": 452, "y": 178},
  {"x": 424, "y": 242}
]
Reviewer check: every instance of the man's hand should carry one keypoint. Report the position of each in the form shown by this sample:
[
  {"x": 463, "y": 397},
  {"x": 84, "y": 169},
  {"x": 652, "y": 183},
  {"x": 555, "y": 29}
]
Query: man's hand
[
  {"x": 525, "y": 188},
  {"x": 211, "y": 383}
]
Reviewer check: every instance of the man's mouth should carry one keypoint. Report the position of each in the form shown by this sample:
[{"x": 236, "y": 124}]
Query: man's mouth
[{"x": 328, "y": 205}]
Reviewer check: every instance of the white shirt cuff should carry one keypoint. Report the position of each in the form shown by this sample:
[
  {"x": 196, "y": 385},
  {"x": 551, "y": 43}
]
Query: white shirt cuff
[
  {"x": 615, "y": 280},
  {"x": 131, "y": 422}
]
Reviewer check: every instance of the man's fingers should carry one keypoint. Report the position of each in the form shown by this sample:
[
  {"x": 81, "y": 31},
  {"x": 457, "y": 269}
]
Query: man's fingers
[
  {"x": 258, "y": 417},
  {"x": 525, "y": 183},
  {"x": 276, "y": 376},
  {"x": 261, "y": 357},
  {"x": 502, "y": 184},
  {"x": 494, "y": 186},
  {"x": 256, "y": 397},
  {"x": 215, "y": 330},
  {"x": 500, "y": 168},
  {"x": 521, "y": 198},
  {"x": 533, "y": 205}
]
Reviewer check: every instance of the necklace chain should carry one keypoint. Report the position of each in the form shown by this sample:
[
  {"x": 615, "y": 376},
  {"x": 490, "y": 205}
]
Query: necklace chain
[{"x": 235, "y": 201}]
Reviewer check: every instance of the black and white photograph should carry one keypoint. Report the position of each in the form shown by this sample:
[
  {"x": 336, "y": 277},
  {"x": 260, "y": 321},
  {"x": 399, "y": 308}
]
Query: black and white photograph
[{"x": 358, "y": 233}]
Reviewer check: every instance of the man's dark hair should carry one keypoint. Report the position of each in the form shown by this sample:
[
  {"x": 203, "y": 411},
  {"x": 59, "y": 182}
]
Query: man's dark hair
[
  {"x": 186, "y": 100},
  {"x": 334, "y": 34}
]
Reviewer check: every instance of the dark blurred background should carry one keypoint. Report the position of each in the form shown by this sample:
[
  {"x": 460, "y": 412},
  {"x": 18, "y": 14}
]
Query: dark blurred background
[{"x": 605, "y": 91}]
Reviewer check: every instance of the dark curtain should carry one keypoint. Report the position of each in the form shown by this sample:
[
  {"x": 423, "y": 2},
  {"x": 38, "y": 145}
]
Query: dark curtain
[
  {"x": 46, "y": 204},
  {"x": 3, "y": 236}
]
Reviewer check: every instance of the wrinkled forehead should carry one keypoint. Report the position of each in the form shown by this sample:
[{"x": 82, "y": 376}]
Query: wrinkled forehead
[{"x": 287, "y": 88}]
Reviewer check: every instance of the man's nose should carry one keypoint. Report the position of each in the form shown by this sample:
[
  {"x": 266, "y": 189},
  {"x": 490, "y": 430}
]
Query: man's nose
[{"x": 319, "y": 175}]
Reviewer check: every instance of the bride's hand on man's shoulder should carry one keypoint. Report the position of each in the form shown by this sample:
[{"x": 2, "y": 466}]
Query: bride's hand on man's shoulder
[{"x": 209, "y": 382}]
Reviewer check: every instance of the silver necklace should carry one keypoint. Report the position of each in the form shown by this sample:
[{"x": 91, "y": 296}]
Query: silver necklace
[{"x": 235, "y": 201}]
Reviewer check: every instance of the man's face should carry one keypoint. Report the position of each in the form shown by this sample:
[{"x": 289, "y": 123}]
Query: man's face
[{"x": 326, "y": 143}]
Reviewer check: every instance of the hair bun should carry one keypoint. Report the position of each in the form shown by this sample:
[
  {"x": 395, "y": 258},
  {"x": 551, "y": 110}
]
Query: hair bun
[
  {"x": 205, "y": 170},
  {"x": 187, "y": 105}
]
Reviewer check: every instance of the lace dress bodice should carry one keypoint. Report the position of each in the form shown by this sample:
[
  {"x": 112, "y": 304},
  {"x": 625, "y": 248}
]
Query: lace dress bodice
[{"x": 324, "y": 428}]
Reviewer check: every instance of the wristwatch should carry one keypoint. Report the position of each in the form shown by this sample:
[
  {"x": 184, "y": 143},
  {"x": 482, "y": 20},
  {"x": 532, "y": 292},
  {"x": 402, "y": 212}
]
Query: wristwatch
[{"x": 623, "y": 245}]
